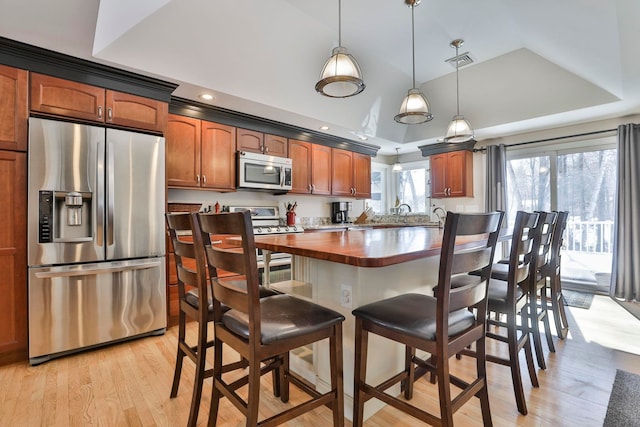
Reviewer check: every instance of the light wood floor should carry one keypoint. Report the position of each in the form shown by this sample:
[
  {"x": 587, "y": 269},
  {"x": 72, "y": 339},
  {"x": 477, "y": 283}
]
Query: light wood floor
[{"x": 128, "y": 384}]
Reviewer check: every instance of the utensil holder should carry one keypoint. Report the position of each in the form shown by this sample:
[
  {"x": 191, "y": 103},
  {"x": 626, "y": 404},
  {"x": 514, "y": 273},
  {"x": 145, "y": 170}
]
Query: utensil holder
[{"x": 291, "y": 218}]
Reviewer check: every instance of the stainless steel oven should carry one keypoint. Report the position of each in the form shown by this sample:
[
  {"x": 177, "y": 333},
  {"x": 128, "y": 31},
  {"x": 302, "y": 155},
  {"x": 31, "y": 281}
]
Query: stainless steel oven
[{"x": 267, "y": 220}]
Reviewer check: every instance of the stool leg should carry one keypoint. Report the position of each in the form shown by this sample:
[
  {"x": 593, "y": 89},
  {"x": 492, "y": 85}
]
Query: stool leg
[
  {"x": 179, "y": 356},
  {"x": 557, "y": 305},
  {"x": 360, "y": 372},
  {"x": 337, "y": 381}
]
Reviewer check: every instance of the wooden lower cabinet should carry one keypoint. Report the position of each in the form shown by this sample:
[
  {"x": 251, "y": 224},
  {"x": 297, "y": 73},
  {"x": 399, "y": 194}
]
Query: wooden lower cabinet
[{"x": 13, "y": 256}]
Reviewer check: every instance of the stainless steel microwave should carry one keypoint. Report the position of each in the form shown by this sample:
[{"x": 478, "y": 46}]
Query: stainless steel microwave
[{"x": 264, "y": 172}]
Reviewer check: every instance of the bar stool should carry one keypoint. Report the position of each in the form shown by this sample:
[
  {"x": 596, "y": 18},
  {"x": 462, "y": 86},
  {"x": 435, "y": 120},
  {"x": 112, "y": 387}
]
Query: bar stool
[
  {"x": 552, "y": 291},
  {"x": 193, "y": 297},
  {"x": 262, "y": 330},
  {"x": 508, "y": 299},
  {"x": 441, "y": 325}
]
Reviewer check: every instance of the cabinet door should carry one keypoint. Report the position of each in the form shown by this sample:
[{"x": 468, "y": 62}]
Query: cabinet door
[
  {"x": 275, "y": 145},
  {"x": 13, "y": 256},
  {"x": 13, "y": 108},
  {"x": 342, "y": 176},
  {"x": 300, "y": 154},
  {"x": 218, "y": 156},
  {"x": 135, "y": 111},
  {"x": 460, "y": 174},
  {"x": 249, "y": 140},
  {"x": 362, "y": 175},
  {"x": 438, "y": 165},
  {"x": 65, "y": 98},
  {"x": 182, "y": 138},
  {"x": 321, "y": 162}
]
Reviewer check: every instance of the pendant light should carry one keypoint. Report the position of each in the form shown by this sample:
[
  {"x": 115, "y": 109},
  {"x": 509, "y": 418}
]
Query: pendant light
[
  {"x": 397, "y": 167},
  {"x": 415, "y": 108},
  {"x": 459, "y": 129},
  {"x": 341, "y": 76}
]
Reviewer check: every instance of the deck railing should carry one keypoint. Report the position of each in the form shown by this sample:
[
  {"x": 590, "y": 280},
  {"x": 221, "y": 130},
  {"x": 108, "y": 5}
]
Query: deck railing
[{"x": 589, "y": 236}]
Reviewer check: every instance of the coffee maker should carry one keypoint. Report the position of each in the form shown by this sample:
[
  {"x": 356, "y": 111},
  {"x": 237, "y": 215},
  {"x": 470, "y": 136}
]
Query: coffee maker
[{"x": 340, "y": 212}]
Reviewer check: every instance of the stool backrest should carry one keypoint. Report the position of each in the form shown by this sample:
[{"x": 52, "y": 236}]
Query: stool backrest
[
  {"x": 526, "y": 232},
  {"x": 233, "y": 252},
  {"x": 190, "y": 267},
  {"x": 468, "y": 244},
  {"x": 557, "y": 238}
]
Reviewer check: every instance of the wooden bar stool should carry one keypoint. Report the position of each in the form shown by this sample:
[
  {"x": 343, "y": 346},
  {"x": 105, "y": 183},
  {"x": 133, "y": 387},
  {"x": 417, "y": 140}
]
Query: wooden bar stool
[
  {"x": 262, "y": 330},
  {"x": 552, "y": 291},
  {"x": 441, "y": 325},
  {"x": 193, "y": 298}
]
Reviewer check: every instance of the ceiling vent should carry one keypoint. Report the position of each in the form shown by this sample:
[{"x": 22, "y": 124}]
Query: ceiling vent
[{"x": 463, "y": 59}]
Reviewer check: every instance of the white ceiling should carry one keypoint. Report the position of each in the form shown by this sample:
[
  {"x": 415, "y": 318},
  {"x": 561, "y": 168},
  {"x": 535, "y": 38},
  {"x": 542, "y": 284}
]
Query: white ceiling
[{"x": 536, "y": 65}]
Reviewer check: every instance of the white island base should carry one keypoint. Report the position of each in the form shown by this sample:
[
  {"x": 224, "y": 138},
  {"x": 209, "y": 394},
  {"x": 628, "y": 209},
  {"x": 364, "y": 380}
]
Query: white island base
[{"x": 343, "y": 288}]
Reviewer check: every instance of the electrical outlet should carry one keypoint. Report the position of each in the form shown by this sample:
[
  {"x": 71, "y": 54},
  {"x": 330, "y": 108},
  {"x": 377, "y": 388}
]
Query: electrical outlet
[{"x": 345, "y": 296}]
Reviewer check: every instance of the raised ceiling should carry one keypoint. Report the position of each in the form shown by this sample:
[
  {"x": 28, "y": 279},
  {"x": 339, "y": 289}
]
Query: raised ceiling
[{"x": 536, "y": 64}]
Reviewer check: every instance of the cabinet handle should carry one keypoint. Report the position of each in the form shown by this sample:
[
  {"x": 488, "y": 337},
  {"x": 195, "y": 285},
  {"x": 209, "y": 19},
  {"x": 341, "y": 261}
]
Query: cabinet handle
[
  {"x": 100, "y": 112},
  {"x": 265, "y": 149},
  {"x": 204, "y": 179},
  {"x": 198, "y": 179},
  {"x": 313, "y": 188},
  {"x": 109, "y": 114},
  {"x": 309, "y": 188}
]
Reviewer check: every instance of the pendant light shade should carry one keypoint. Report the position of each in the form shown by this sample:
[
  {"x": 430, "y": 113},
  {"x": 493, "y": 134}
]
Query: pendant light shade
[
  {"x": 397, "y": 167},
  {"x": 341, "y": 76},
  {"x": 459, "y": 129},
  {"x": 415, "y": 108}
]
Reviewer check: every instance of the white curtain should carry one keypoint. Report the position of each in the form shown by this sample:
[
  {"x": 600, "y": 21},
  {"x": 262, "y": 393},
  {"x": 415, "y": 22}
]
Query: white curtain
[{"x": 625, "y": 278}]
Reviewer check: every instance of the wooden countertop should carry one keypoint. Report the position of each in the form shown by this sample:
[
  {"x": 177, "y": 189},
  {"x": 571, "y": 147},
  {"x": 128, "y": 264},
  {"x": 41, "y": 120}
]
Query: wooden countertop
[{"x": 360, "y": 248}]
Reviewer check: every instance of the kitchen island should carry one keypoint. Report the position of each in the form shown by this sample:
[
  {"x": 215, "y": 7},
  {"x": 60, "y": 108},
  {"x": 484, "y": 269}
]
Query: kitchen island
[{"x": 346, "y": 269}]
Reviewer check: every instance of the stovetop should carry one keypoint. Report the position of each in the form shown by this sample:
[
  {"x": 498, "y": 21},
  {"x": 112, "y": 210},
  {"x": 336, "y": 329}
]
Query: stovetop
[{"x": 267, "y": 220}]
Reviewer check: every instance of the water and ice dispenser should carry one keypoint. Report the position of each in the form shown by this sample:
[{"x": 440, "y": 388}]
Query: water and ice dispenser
[{"x": 65, "y": 216}]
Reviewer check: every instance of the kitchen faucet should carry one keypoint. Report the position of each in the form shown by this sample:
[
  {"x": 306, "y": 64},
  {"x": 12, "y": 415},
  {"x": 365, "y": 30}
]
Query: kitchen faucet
[
  {"x": 440, "y": 218},
  {"x": 400, "y": 206}
]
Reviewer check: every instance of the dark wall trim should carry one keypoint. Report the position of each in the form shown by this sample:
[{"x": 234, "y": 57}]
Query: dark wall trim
[
  {"x": 33, "y": 58},
  {"x": 431, "y": 149},
  {"x": 189, "y": 108}
]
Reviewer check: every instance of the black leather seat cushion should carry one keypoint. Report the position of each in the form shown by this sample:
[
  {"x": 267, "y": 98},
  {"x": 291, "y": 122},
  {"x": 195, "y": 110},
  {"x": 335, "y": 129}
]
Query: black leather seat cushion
[
  {"x": 192, "y": 298},
  {"x": 499, "y": 271},
  {"x": 283, "y": 317},
  {"x": 497, "y": 296},
  {"x": 414, "y": 315}
]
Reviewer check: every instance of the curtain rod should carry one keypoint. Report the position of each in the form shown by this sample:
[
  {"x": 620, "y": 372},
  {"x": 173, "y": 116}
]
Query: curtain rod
[{"x": 597, "y": 132}]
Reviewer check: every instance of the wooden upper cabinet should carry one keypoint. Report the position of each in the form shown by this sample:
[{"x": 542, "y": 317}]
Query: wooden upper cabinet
[
  {"x": 60, "y": 97},
  {"x": 351, "y": 174},
  {"x": 362, "y": 176},
  {"x": 311, "y": 168},
  {"x": 135, "y": 111},
  {"x": 249, "y": 140},
  {"x": 300, "y": 154},
  {"x": 218, "y": 156},
  {"x": 342, "y": 179},
  {"x": 14, "y": 111},
  {"x": 452, "y": 174},
  {"x": 321, "y": 164},
  {"x": 276, "y": 145},
  {"x": 13, "y": 256},
  {"x": 182, "y": 137}
]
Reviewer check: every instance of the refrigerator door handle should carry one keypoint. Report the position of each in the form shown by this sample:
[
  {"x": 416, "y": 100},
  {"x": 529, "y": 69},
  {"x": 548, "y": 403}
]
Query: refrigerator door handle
[
  {"x": 110, "y": 194},
  {"x": 98, "y": 269},
  {"x": 99, "y": 211}
]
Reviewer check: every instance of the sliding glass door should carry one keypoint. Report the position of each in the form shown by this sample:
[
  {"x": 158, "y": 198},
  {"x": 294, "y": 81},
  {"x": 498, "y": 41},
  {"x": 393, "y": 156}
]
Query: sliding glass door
[{"x": 580, "y": 180}]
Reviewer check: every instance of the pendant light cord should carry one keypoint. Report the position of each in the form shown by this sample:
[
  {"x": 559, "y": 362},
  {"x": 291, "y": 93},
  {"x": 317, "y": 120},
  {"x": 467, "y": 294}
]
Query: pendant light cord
[
  {"x": 339, "y": 23},
  {"x": 457, "y": 83},
  {"x": 413, "y": 46}
]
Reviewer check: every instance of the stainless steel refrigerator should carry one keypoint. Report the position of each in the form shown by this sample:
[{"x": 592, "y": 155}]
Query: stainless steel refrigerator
[{"x": 96, "y": 237}]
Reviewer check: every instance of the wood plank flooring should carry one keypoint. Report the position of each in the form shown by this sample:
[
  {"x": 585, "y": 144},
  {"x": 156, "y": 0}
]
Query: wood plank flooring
[{"x": 128, "y": 384}]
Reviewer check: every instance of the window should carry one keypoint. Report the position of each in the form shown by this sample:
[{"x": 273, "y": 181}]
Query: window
[
  {"x": 578, "y": 177},
  {"x": 412, "y": 186}
]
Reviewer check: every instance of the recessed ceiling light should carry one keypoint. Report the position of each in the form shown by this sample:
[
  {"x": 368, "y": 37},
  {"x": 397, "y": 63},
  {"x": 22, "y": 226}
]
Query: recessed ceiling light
[
  {"x": 325, "y": 127},
  {"x": 207, "y": 96},
  {"x": 362, "y": 137}
]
